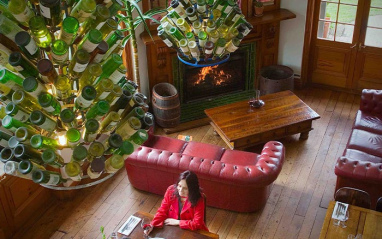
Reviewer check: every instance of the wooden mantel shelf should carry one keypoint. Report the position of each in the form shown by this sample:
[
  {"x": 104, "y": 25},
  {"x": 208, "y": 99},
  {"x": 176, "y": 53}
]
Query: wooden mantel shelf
[
  {"x": 273, "y": 16},
  {"x": 268, "y": 17}
]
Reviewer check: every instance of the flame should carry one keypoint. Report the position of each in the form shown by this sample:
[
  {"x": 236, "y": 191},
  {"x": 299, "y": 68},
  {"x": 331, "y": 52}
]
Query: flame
[{"x": 218, "y": 76}]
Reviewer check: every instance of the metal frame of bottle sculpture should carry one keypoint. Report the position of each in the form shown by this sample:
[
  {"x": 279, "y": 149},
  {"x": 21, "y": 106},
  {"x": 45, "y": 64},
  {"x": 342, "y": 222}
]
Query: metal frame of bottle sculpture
[
  {"x": 68, "y": 112},
  {"x": 203, "y": 32}
]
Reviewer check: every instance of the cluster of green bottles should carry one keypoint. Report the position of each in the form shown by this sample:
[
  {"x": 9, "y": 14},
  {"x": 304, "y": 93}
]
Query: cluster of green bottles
[
  {"x": 203, "y": 29},
  {"x": 67, "y": 110}
]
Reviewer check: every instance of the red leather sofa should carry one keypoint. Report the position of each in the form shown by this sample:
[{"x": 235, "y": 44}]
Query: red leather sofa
[
  {"x": 360, "y": 166},
  {"x": 231, "y": 179}
]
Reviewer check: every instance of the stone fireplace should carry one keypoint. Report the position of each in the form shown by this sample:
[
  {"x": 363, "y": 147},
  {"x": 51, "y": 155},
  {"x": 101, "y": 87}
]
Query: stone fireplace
[{"x": 201, "y": 88}]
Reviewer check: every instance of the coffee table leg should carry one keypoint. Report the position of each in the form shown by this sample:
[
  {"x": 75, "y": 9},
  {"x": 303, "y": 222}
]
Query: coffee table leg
[{"x": 304, "y": 135}]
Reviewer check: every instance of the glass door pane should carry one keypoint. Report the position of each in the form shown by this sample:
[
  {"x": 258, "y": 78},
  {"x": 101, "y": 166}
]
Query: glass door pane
[
  {"x": 374, "y": 25},
  {"x": 337, "y": 20}
]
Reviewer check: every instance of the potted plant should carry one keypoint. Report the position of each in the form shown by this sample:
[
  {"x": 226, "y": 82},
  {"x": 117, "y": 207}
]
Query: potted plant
[{"x": 258, "y": 8}]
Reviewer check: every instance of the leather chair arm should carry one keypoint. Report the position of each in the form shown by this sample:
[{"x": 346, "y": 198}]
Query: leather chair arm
[
  {"x": 371, "y": 101},
  {"x": 361, "y": 170}
]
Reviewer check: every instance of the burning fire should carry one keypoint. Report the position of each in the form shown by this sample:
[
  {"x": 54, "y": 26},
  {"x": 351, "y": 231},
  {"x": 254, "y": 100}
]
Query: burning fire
[{"x": 218, "y": 76}]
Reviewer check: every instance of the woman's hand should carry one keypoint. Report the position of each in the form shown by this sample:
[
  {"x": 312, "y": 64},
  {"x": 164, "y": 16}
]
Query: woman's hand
[
  {"x": 171, "y": 222},
  {"x": 147, "y": 228}
]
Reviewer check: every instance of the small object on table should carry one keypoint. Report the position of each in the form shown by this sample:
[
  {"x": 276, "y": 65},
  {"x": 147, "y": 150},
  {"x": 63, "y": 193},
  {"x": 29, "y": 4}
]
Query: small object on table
[{"x": 129, "y": 225}]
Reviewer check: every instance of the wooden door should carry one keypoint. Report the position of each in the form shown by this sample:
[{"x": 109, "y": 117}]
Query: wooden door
[
  {"x": 369, "y": 57},
  {"x": 346, "y": 47}
]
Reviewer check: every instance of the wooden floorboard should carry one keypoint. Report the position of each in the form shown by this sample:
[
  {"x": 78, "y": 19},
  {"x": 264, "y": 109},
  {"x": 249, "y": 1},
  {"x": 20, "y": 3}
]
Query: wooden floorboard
[{"x": 295, "y": 208}]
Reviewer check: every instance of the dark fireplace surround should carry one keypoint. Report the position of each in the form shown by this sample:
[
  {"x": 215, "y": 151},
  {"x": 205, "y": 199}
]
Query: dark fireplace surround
[{"x": 200, "y": 88}]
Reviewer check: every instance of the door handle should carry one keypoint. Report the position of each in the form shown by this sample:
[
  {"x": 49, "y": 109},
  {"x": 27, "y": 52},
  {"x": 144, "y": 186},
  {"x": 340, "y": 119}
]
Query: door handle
[
  {"x": 361, "y": 46},
  {"x": 353, "y": 46}
]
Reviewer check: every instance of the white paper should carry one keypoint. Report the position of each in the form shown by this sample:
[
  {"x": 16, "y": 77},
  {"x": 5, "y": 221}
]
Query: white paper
[
  {"x": 339, "y": 211},
  {"x": 129, "y": 225}
]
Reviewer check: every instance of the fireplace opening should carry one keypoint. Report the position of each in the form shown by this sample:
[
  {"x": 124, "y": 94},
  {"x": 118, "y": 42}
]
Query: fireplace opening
[
  {"x": 208, "y": 87},
  {"x": 211, "y": 81}
]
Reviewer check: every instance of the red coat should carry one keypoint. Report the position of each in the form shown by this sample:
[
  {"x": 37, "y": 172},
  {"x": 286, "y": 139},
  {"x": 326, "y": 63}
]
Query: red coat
[{"x": 191, "y": 218}]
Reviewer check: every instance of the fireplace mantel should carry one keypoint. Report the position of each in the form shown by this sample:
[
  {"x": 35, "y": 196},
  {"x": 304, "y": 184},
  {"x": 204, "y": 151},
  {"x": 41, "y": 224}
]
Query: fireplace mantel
[{"x": 265, "y": 32}]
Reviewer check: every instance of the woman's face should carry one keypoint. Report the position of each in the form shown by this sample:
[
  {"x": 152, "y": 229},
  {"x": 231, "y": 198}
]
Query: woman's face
[{"x": 182, "y": 188}]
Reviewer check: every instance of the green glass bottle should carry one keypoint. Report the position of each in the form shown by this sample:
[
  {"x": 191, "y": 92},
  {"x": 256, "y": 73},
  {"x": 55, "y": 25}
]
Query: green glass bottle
[
  {"x": 10, "y": 79},
  {"x": 49, "y": 103},
  {"x": 27, "y": 44},
  {"x": 21, "y": 11},
  {"x": 47, "y": 177},
  {"x": 12, "y": 124},
  {"x": 68, "y": 119},
  {"x": 135, "y": 101},
  {"x": 118, "y": 74},
  {"x": 202, "y": 38},
  {"x": 98, "y": 110},
  {"x": 176, "y": 33},
  {"x": 51, "y": 11},
  {"x": 126, "y": 149},
  {"x": 4, "y": 138},
  {"x": 97, "y": 166},
  {"x": 167, "y": 39},
  {"x": 194, "y": 50},
  {"x": 110, "y": 122},
  {"x": 110, "y": 65},
  {"x": 139, "y": 138},
  {"x": 73, "y": 136},
  {"x": 178, "y": 8},
  {"x": 83, "y": 10},
  {"x": 147, "y": 121},
  {"x": 136, "y": 112},
  {"x": 129, "y": 127},
  {"x": 91, "y": 130},
  {"x": 115, "y": 38},
  {"x": 39, "y": 141},
  {"x": 95, "y": 150},
  {"x": 8, "y": 27},
  {"x": 16, "y": 112},
  {"x": 114, "y": 95},
  {"x": 12, "y": 143},
  {"x": 91, "y": 73},
  {"x": 116, "y": 5},
  {"x": 114, "y": 163},
  {"x": 25, "y": 101},
  {"x": 12, "y": 168},
  {"x": 43, "y": 121},
  {"x": 91, "y": 40},
  {"x": 191, "y": 14},
  {"x": 74, "y": 171},
  {"x": 69, "y": 30},
  {"x": 79, "y": 154},
  {"x": 63, "y": 88},
  {"x": 96, "y": 20},
  {"x": 183, "y": 25},
  {"x": 103, "y": 88},
  {"x": 201, "y": 7},
  {"x": 24, "y": 134},
  {"x": 219, "y": 48},
  {"x": 40, "y": 32},
  {"x": 7, "y": 154},
  {"x": 23, "y": 151},
  {"x": 112, "y": 143},
  {"x": 60, "y": 52},
  {"x": 79, "y": 63},
  {"x": 214, "y": 36},
  {"x": 48, "y": 72},
  {"x": 86, "y": 98},
  {"x": 99, "y": 53},
  {"x": 27, "y": 167},
  {"x": 109, "y": 26},
  {"x": 22, "y": 65},
  {"x": 33, "y": 86}
]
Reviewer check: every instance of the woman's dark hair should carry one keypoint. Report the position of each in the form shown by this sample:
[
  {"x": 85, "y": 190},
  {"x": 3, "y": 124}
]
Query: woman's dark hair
[{"x": 192, "y": 184}]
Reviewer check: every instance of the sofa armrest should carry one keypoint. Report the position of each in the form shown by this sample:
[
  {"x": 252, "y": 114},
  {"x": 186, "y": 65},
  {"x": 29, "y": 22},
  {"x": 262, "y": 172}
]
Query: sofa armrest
[
  {"x": 361, "y": 170},
  {"x": 371, "y": 101}
]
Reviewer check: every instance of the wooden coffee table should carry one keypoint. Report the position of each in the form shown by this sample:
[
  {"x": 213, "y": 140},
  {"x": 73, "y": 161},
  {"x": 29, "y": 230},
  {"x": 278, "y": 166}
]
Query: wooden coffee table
[{"x": 282, "y": 115}]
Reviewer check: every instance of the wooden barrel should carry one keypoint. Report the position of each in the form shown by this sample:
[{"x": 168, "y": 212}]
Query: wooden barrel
[{"x": 166, "y": 105}]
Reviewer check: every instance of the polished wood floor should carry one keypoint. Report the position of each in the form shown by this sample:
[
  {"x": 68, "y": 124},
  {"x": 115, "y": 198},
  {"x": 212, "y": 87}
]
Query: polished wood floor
[{"x": 296, "y": 206}]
